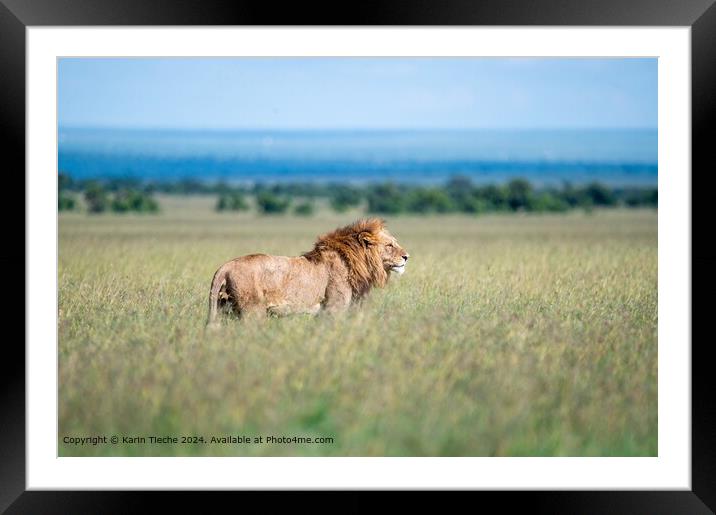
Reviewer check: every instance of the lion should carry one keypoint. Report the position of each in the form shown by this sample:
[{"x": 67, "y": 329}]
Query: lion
[{"x": 341, "y": 268}]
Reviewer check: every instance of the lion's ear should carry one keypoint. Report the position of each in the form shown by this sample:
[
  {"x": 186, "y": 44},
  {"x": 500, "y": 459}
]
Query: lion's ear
[{"x": 366, "y": 238}]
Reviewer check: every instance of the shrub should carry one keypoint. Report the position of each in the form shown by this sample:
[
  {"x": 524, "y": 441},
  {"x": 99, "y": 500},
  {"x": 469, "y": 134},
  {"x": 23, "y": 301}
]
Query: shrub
[
  {"x": 429, "y": 200},
  {"x": 547, "y": 201},
  {"x": 149, "y": 204},
  {"x": 270, "y": 204},
  {"x": 232, "y": 202},
  {"x": 386, "y": 198},
  {"x": 96, "y": 197},
  {"x": 491, "y": 197},
  {"x": 133, "y": 200},
  {"x": 572, "y": 196},
  {"x": 463, "y": 194},
  {"x": 519, "y": 192},
  {"x": 64, "y": 182},
  {"x": 120, "y": 203},
  {"x": 304, "y": 209},
  {"x": 458, "y": 185},
  {"x": 599, "y": 194},
  {"x": 345, "y": 197},
  {"x": 474, "y": 204},
  {"x": 637, "y": 198},
  {"x": 65, "y": 202}
]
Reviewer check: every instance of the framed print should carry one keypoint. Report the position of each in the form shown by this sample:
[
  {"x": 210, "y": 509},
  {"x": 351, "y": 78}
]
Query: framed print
[{"x": 437, "y": 249}]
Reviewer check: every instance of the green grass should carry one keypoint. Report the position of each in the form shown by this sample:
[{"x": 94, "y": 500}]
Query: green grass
[{"x": 507, "y": 336}]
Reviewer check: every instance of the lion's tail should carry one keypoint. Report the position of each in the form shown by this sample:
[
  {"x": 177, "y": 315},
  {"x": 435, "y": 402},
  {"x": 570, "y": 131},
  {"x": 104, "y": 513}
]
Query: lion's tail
[{"x": 216, "y": 284}]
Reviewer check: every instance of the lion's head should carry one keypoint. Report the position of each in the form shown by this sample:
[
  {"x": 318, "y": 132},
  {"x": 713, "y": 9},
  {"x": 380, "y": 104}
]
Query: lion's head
[{"x": 369, "y": 251}]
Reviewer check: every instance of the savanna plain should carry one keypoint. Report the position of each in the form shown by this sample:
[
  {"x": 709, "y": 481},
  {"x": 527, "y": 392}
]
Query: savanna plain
[{"x": 508, "y": 335}]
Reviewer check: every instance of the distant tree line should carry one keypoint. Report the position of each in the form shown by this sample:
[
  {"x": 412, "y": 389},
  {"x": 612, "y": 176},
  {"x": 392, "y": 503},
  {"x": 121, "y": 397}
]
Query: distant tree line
[
  {"x": 458, "y": 195},
  {"x": 102, "y": 196},
  {"x": 461, "y": 195}
]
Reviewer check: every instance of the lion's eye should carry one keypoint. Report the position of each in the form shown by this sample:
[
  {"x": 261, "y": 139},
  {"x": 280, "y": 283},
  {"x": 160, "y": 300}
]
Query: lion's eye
[{"x": 390, "y": 245}]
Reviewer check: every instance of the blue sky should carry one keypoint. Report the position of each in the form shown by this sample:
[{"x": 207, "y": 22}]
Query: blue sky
[{"x": 357, "y": 93}]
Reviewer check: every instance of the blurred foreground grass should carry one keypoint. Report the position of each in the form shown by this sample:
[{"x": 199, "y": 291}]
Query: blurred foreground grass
[{"x": 507, "y": 336}]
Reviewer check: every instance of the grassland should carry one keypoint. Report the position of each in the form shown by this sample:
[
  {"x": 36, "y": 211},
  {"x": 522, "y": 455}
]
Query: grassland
[{"x": 508, "y": 335}]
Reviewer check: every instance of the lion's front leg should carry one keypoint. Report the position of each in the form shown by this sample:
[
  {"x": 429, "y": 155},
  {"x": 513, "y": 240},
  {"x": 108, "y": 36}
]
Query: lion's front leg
[{"x": 338, "y": 298}]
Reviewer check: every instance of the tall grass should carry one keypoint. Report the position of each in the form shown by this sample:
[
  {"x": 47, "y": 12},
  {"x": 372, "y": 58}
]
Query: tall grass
[{"x": 508, "y": 335}]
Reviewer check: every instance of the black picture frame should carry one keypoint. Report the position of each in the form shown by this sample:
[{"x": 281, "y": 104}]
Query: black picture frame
[{"x": 700, "y": 15}]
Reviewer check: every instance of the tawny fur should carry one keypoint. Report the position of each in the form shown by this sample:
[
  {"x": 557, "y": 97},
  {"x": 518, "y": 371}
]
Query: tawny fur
[{"x": 342, "y": 267}]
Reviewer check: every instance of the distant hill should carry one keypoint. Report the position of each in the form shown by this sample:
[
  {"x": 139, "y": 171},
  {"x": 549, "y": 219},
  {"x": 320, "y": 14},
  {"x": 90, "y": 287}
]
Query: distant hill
[{"x": 543, "y": 156}]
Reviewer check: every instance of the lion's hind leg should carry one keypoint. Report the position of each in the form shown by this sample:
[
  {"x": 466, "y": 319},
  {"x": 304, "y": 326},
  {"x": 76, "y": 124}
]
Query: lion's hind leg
[
  {"x": 253, "y": 312},
  {"x": 224, "y": 302},
  {"x": 225, "y": 306},
  {"x": 245, "y": 305}
]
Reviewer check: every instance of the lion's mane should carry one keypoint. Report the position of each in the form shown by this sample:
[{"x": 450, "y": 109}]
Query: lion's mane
[{"x": 355, "y": 245}]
